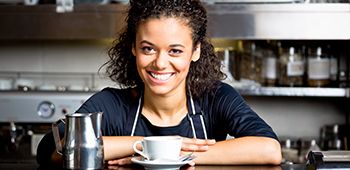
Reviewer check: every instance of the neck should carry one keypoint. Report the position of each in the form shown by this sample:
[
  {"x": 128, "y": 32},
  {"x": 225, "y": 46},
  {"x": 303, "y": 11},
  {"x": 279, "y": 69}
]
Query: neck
[{"x": 165, "y": 110}]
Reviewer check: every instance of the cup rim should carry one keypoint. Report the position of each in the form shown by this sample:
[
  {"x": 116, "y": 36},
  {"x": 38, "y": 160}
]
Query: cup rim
[{"x": 161, "y": 138}]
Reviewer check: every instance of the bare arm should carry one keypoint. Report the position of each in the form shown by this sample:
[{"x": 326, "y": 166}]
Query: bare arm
[
  {"x": 244, "y": 150},
  {"x": 116, "y": 147}
]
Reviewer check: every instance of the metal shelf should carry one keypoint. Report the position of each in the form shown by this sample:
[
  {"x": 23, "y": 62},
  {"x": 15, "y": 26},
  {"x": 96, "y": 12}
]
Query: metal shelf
[
  {"x": 230, "y": 20},
  {"x": 296, "y": 91},
  {"x": 42, "y": 22},
  {"x": 296, "y": 21}
]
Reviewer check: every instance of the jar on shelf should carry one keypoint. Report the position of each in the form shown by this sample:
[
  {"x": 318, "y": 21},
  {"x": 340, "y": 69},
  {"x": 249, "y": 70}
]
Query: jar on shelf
[
  {"x": 289, "y": 151},
  {"x": 291, "y": 68},
  {"x": 225, "y": 54},
  {"x": 251, "y": 61},
  {"x": 270, "y": 68},
  {"x": 318, "y": 68}
]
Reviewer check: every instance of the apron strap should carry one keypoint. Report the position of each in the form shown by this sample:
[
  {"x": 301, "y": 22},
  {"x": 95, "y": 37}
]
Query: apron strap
[
  {"x": 199, "y": 126},
  {"x": 132, "y": 117},
  {"x": 196, "y": 119}
]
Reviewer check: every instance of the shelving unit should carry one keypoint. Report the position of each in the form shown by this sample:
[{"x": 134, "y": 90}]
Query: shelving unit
[
  {"x": 283, "y": 21},
  {"x": 42, "y": 22},
  {"x": 247, "y": 21},
  {"x": 54, "y": 81},
  {"x": 299, "y": 21},
  {"x": 296, "y": 91},
  {"x": 286, "y": 21}
]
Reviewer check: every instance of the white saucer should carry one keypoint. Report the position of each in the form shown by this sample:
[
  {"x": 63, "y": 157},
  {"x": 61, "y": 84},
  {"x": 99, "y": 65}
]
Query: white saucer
[{"x": 158, "y": 165}]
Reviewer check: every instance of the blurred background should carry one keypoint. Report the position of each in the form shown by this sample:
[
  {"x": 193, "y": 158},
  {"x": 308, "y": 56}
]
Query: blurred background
[{"x": 288, "y": 58}]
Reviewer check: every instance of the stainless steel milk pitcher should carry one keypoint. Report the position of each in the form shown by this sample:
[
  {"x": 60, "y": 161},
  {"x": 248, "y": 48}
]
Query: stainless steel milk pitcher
[{"x": 82, "y": 145}]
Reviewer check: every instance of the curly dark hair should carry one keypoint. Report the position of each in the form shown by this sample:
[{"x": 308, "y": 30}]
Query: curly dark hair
[{"x": 204, "y": 74}]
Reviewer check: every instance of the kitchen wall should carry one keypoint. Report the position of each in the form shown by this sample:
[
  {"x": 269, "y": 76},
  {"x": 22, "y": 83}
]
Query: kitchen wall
[
  {"x": 56, "y": 57},
  {"x": 289, "y": 116}
]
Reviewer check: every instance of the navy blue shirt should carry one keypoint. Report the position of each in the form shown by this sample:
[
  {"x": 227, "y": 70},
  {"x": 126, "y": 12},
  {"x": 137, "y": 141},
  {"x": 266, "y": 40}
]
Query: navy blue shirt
[{"x": 224, "y": 112}]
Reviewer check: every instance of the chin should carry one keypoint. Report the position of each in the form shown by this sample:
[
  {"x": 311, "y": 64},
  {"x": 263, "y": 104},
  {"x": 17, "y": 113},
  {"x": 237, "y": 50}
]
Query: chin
[{"x": 160, "y": 90}]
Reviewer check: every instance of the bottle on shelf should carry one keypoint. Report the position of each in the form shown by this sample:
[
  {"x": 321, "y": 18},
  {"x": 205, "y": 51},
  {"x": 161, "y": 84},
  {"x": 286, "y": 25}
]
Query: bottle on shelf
[
  {"x": 313, "y": 146},
  {"x": 289, "y": 153},
  {"x": 270, "y": 68},
  {"x": 291, "y": 66},
  {"x": 318, "y": 68},
  {"x": 235, "y": 61},
  {"x": 344, "y": 66},
  {"x": 251, "y": 63},
  {"x": 333, "y": 66}
]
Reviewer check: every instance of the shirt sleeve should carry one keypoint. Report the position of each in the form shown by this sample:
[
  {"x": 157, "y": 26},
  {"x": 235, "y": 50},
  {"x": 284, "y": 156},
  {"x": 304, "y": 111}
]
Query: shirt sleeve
[
  {"x": 237, "y": 117},
  {"x": 111, "y": 103}
]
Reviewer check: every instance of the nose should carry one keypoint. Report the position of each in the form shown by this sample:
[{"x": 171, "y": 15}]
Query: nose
[{"x": 162, "y": 60}]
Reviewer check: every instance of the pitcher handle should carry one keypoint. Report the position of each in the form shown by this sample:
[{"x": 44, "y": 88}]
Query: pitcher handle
[{"x": 56, "y": 136}]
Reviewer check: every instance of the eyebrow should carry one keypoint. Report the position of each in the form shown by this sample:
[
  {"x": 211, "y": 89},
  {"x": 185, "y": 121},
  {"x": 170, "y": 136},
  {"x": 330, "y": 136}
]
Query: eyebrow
[{"x": 172, "y": 45}]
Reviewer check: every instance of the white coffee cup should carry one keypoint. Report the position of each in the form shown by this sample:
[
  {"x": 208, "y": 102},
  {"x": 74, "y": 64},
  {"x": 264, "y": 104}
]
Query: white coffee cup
[{"x": 159, "y": 147}]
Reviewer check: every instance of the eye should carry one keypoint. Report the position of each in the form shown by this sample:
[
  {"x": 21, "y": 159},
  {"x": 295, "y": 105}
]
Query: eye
[
  {"x": 175, "y": 51},
  {"x": 148, "y": 50}
]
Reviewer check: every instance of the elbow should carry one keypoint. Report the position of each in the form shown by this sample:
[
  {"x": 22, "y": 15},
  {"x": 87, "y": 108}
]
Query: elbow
[{"x": 274, "y": 153}]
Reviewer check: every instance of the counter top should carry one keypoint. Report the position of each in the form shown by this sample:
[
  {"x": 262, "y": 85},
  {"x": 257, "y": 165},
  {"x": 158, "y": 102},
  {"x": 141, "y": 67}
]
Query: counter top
[{"x": 34, "y": 166}]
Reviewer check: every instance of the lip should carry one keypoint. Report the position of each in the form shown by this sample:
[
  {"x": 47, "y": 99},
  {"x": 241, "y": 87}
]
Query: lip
[{"x": 156, "y": 81}]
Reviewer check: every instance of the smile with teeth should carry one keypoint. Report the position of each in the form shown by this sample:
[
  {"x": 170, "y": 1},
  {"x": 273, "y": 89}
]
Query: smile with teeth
[{"x": 162, "y": 77}]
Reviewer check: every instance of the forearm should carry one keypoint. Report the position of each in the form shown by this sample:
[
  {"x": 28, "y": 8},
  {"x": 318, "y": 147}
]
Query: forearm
[
  {"x": 244, "y": 150},
  {"x": 118, "y": 146}
]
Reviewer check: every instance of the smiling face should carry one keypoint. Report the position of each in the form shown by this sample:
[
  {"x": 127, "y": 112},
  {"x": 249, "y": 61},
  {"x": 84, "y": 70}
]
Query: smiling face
[{"x": 164, "y": 50}]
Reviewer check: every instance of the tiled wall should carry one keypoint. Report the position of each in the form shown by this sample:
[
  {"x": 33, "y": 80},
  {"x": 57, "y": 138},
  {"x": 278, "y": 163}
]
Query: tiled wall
[{"x": 289, "y": 116}]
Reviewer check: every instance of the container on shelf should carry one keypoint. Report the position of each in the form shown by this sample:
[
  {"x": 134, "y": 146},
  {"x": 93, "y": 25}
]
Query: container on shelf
[
  {"x": 318, "y": 68},
  {"x": 291, "y": 66},
  {"x": 333, "y": 66},
  {"x": 251, "y": 63},
  {"x": 270, "y": 68},
  {"x": 6, "y": 84},
  {"x": 289, "y": 149}
]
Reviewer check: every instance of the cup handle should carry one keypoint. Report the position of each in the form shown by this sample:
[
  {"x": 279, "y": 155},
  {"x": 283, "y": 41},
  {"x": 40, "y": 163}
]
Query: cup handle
[{"x": 138, "y": 151}]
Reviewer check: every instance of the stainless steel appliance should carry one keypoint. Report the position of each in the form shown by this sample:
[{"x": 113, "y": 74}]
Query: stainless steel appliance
[
  {"x": 26, "y": 116},
  {"x": 82, "y": 145}
]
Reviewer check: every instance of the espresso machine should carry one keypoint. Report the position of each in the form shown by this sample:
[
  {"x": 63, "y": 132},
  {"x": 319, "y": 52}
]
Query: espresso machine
[{"x": 26, "y": 116}]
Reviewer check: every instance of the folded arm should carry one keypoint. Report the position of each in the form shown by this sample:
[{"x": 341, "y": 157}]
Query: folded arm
[
  {"x": 243, "y": 150},
  {"x": 116, "y": 147}
]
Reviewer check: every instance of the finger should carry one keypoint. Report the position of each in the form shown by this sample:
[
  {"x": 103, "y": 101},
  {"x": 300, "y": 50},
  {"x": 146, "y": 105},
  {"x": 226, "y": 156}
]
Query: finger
[
  {"x": 125, "y": 161},
  {"x": 192, "y": 163},
  {"x": 113, "y": 167},
  {"x": 199, "y": 141},
  {"x": 122, "y": 161},
  {"x": 190, "y": 168},
  {"x": 194, "y": 148},
  {"x": 113, "y": 162}
]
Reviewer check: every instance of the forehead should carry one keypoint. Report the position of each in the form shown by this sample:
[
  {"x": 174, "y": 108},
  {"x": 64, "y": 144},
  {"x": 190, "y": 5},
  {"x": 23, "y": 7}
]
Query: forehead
[{"x": 166, "y": 27}]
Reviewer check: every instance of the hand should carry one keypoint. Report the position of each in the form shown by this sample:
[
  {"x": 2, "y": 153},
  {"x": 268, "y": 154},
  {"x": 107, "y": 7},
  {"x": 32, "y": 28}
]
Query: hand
[
  {"x": 196, "y": 145},
  {"x": 120, "y": 161}
]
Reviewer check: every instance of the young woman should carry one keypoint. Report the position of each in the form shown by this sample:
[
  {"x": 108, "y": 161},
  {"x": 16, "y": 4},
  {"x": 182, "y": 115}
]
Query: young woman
[{"x": 170, "y": 80}]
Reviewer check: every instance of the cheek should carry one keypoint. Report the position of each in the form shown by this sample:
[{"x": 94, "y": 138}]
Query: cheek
[
  {"x": 140, "y": 65},
  {"x": 183, "y": 65},
  {"x": 141, "y": 61}
]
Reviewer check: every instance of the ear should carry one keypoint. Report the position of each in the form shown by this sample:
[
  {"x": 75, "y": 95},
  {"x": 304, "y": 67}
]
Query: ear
[
  {"x": 133, "y": 50},
  {"x": 196, "y": 53}
]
